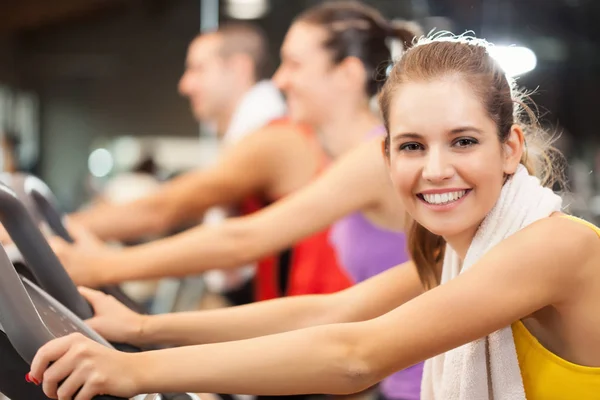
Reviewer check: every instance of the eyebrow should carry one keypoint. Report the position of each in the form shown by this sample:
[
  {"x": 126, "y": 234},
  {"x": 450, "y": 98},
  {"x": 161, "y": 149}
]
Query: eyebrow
[{"x": 456, "y": 131}]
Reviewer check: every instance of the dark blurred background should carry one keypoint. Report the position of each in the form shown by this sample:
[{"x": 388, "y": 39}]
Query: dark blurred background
[{"x": 88, "y": 88}]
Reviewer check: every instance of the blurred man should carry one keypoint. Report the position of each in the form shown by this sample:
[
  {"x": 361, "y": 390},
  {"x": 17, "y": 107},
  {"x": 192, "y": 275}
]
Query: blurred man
[
  {"x": 264, "y": 156},
  {"x": 224, "y": 83}
]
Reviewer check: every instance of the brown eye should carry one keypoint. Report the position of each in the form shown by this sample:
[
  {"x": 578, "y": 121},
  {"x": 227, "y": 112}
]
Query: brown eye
[
  {"x": 412, "y": 146},
  {"x": 465, "y": 142}
]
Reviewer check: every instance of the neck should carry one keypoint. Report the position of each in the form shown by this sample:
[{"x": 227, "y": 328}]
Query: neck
[
  {"x": 344, "y": 131},
  {"x": 223, "y": 120},
  {"x": 462, "y": 241}
]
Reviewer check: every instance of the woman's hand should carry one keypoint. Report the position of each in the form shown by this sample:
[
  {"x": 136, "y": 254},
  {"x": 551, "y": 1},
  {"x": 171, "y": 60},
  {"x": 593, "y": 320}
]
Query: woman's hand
[
  {"x": 5, "y": 238},
  {"x": 87, "y": 259},
  {"x": 76, "y": 367},
  {"x": 112, "y": 320},
  {"x": 82, "y": 235}
]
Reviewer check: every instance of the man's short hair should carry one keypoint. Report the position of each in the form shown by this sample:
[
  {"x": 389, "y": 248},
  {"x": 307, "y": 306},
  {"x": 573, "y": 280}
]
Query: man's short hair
[{"x": 245, "y": 38}]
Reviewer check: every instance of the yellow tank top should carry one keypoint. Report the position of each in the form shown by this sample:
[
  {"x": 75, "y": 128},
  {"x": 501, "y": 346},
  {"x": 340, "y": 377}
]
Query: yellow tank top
[{"x": 547, "y": 376}]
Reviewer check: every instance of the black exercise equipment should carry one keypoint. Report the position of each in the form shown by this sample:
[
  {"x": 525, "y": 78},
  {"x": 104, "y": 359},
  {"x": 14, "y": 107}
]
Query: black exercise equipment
[
  {"x": 41, "y": 204},
  {"x": 29, "y": 316}
]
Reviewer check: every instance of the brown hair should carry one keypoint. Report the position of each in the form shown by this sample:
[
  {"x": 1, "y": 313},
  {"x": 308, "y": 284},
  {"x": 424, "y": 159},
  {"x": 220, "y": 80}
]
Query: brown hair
[
  {"x": 249, "y": 39},
  {"x": 468, "y": 58},
  {"x": 357, "y": 30}
]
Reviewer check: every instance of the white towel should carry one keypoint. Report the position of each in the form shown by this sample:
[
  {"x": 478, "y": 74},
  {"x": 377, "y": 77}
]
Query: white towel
[
  {"x": 262, "y": 104},
  {"x": 465, "y": 373}
]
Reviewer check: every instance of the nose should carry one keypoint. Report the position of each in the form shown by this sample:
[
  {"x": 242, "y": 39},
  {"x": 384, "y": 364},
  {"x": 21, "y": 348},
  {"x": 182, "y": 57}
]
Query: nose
[
  {"x": 438, "y": 168},
  {"x": 280, "y": 78},
  {"x": 183, "y": 85}
]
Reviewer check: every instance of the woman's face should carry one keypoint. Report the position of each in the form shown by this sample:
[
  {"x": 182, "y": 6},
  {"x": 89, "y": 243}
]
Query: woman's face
[
  {"x": 306, "y": 75},
  {"x": 446, "y": 160}
]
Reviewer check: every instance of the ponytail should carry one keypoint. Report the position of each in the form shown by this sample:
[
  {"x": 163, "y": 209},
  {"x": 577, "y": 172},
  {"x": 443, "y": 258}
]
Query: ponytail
[
  {"x": 355, "y": 29},
  {"x": 404, "y": 31}
]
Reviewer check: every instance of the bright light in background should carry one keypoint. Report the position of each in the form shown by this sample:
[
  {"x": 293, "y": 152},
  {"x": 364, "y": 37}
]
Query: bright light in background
[
  {"x": 246, "y": 9},
  {"x": 100, "y": 163},
  {"x": 127, "y": 152},
  {"x": 515, "y": 60}
]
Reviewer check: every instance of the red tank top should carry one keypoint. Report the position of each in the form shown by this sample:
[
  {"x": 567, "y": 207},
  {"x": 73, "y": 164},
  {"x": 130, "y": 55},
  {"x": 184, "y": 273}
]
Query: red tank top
[{"x": 310, "y": 266}]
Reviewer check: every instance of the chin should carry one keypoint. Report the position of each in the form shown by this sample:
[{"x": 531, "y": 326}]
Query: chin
[
  {"x": 200, "y": 115},
  {"x": 442, "y": 229},
  {"x": 445, "y": 227}
]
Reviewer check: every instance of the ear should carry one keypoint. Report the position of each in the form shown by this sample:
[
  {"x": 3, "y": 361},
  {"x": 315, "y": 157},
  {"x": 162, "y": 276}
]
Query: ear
[
  {"x": 385, "y": 154},
  {"x": 242, "y": 64},
  {"x": 352, "y": 70},
  {"x": 513, "y": 149}
]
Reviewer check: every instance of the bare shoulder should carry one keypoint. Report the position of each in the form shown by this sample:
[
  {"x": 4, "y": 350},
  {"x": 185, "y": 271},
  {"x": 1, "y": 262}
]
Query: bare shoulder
[
  {"x": 565, "y": 234},
  {"x": 272, "y": 143},
  {"x": 555, "y": 249},
  {"x": 282, "y": 132}
]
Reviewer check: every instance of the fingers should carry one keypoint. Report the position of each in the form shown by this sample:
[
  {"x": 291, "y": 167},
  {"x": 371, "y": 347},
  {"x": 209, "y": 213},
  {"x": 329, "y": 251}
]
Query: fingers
[
  {"x": 49, "y": 353},
  {"x": 75, "y": 367},
  {"x": 74, "y": 382},
  {"x": 58, "y": 245},
  {"x": 96, "y": 325},
  {"x": 94, "y": 297},
  {"x": 91, "y": 388},
  {"x": 91, "y": 295},
  {"x": 82, "y": 235},
  {"x": 4, "y": 236},
  {"x": 79, "y": 232},
  {"x": 56, "y": 373}
]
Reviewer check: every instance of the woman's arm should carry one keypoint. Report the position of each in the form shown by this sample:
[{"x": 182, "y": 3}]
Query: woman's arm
[
  {"x": 532, "y": 269},
  {"x": 352, "y": 184},
  {"x": 246, "y": 168},
  {"x": 526, "y": 272},
  {"x": 364, "y": 301}
]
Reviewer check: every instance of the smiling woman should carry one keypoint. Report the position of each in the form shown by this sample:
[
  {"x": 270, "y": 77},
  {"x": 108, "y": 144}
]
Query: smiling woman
[
  {"x": 512, "y": 308},
  {"x": 457, "y": 152}
]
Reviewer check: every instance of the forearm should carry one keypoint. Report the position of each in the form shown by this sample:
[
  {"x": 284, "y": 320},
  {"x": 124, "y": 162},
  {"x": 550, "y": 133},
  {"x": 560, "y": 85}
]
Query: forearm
[
  {"x": 317, "y": 360},
  {"x": 237, "y": 323},
  {"x": 234, "y": 242},
  {"x": 124, "y": 221},
  {"x": 365, "y": 301},
  {"x": 192, "y": 252}
]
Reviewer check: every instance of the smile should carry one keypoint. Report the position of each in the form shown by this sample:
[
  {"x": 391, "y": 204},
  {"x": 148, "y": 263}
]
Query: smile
[{"x": 443, "y": 199}]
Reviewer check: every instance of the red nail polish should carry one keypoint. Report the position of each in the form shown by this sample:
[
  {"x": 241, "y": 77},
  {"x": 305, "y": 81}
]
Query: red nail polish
[{"x": 31, "y": 379}]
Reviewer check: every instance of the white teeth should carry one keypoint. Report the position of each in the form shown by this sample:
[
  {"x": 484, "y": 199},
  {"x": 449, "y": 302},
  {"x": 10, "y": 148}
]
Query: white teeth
[{"x": 444, "y": 198}]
